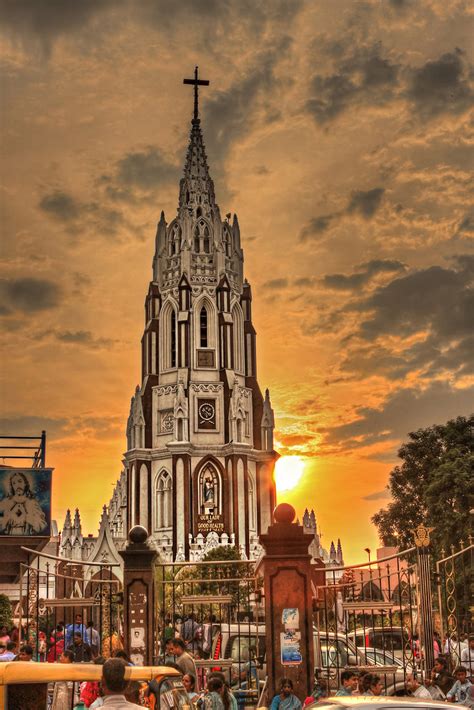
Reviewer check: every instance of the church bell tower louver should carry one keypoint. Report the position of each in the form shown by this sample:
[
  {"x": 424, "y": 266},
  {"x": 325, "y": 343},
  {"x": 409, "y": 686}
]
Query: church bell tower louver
[{"x": 200, "y": 456}]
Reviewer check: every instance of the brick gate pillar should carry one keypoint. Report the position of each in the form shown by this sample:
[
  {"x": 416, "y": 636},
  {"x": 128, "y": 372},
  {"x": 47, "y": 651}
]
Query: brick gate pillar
[
  {"x": 139, "y": 597},
  {"x": 287, "y": 575}
]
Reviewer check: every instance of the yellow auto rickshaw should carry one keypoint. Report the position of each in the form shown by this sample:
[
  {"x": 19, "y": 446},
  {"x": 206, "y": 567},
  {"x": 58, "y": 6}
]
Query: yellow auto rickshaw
[{"x": 24, "y": 685}]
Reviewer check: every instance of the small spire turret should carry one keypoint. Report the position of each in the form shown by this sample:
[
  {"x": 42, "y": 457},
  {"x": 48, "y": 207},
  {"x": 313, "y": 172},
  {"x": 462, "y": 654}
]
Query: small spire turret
[{"x": 268, "y": 423}]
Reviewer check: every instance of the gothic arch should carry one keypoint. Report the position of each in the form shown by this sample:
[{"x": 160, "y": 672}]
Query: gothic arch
[
  {"x": 174, "y": 238},
  {"x": 227, "y": 239},
  {"x": 202, "y": 236},
  {"x": 252, "y": 503},
  {"x": 169, "y": 339},
  {"x": 133, "y": 496},
  {"x": 209, "y": 469},
  {"x": 238, "y": 326},
  {"x": 163, "y": 500},
  {"x": 143, "y": 496},
  {"x": 211, "y": 321}
]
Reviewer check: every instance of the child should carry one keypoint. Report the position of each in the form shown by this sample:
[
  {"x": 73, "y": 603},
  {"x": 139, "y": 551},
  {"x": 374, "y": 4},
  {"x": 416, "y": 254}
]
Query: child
[{"x": 460, "y": 691}]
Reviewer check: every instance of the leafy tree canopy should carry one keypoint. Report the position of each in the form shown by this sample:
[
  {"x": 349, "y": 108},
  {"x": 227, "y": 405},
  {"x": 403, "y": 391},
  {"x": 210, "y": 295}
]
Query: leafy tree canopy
[{"x": 433, "y": 486}]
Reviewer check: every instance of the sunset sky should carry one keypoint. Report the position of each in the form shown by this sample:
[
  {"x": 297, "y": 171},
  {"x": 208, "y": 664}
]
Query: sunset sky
[{"x": 337, "y": 130}]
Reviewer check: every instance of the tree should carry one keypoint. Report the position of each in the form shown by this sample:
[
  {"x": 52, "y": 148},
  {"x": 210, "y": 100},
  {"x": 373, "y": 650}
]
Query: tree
[
  {"x": 5, "y": 611},
  {"x": 434, "y": 486}
]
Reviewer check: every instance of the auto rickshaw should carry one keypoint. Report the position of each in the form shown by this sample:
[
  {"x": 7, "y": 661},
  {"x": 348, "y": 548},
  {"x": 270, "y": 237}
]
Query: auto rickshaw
[{"x": 24, "y": 685}]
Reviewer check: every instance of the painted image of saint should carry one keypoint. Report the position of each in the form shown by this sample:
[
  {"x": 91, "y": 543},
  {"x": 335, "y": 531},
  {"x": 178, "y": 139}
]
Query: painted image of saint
[{"x": 20, "y": 511}]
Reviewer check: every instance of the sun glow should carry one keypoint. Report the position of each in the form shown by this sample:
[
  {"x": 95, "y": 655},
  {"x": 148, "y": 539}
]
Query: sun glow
[{"x": 288, "y": 471}]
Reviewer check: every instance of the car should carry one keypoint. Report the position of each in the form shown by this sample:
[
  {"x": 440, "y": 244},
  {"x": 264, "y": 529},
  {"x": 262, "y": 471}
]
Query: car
[
  {"x": 365, "y": 702},
  {"x": 335, "y": 653},
  {"x": 394, "y": 639},
  {"x": 233, "y": 644},
  {"x": 25, "y": 684}
]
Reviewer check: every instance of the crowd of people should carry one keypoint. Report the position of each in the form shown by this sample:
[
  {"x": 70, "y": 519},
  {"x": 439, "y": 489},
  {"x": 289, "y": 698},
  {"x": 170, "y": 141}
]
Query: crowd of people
[
  {"x": 183, "y": 645},
  {"x": 440, "y": 685}
]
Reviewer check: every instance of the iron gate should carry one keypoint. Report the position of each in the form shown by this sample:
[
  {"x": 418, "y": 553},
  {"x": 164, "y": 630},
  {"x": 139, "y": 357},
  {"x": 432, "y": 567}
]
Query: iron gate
[
  {"x": 216, "y": 608},
  {"x": 366, "y": 620},
  {"x": 55, "y": 592},
  {"x": 455, "y": 596}
]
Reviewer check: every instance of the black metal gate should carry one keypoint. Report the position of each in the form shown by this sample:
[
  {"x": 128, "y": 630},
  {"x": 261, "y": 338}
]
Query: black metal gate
[
  {"x": 59, "y": 597},
  {"x": 455, "y": 596},
  {"x": 215, "y": 607},
  {"x": 366, "y": 620}
]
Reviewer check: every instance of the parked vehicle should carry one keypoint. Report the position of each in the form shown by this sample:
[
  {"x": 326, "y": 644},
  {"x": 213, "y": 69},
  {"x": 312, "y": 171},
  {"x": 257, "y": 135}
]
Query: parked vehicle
[
  {"x": 364, "y": 702},
  {"x": 244, "y": 645},
  {"x": 386, "y": 638},
  {"x": 25, "y": 684}
]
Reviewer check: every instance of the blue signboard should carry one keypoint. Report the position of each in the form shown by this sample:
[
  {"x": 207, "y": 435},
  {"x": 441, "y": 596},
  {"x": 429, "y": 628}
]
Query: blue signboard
[{"x": 25, "y": 501}]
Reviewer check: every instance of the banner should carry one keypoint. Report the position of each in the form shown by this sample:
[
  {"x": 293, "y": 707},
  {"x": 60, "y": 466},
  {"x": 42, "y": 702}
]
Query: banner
[{"x": 25, "y": 501}]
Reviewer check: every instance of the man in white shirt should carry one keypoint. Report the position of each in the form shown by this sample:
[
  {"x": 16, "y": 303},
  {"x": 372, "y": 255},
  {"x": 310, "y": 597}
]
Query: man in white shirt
[
  {"x": 416, "y": 689},
  {"x": 114, "y": 684},
  {"x": 467, "y": 655}
]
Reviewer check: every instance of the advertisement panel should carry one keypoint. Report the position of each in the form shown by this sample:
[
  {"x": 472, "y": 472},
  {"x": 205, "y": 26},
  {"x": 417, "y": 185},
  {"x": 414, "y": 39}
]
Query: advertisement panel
[{"x": 25, "y": 501}]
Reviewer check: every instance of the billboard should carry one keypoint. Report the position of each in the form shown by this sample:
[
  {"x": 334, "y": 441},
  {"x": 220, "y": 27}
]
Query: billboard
[{"x": 25, "y": 501}]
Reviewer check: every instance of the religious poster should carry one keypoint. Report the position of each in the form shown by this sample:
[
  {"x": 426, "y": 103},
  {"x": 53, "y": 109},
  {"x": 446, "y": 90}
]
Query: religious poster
[
  {"x": 25, "y": 501},
  {"x": 290, "y": 647},
  {"x": 290, "y": 618}
]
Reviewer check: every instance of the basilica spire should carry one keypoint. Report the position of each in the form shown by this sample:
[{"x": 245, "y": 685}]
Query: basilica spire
[
  {"x": 196, "y": 190},
  {"x": 196, "y": 193}
]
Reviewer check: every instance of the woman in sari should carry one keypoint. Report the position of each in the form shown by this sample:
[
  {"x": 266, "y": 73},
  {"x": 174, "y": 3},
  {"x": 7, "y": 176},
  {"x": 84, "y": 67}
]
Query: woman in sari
[{"x": 286, "y": 699}]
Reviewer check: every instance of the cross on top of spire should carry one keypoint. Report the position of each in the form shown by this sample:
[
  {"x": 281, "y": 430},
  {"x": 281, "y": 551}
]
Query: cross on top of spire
[{"x": 196, "y": 82}]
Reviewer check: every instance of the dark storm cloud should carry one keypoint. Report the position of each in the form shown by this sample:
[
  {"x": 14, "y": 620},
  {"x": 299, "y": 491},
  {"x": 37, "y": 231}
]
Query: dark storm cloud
[
  {"x": 43, "y": 22},
  {"x": 29, "y": 294},
  {"x": 230, "y": 114},
  {"x": 360, "y": 278},
  {"x": 61, "y": 206},
  {"x": 366, "y": 203},
  {"x": 78, "y": 217},
  {"x": 361, "y": 77},
  {"x": 436, "y": 298},
  {"x": 435, "y": 302},
  {"x": 83, "y": 338},
  {"x": 275, "y": 284},
  {"x": 29, "y": 425},
  {"x": 442, "y": 85},
  {"x": 467, "y": 224},
  {"x": 378, "y": 495},
  {"x": 146, "y": 169},
  {"x": 317, "y": 226},
  {"x": 367, "y": 271},
  {"x": 405, "y": 411}
]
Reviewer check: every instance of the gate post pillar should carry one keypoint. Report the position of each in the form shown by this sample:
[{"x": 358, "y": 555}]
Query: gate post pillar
[
  {"x": 139, "y": 597},
  {"x": 423, "y": 554},
  {"x": 287, "y": 576}
]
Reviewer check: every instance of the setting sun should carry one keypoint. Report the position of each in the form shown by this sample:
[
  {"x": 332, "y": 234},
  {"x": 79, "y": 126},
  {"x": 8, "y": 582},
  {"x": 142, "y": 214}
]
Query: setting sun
[{"x": 288, "y": 471}]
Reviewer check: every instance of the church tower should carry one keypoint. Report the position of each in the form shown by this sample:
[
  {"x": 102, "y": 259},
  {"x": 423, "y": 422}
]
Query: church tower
[{"x": 200, "y": 456}]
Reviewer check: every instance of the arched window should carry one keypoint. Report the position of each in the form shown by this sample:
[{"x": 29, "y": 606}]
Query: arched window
[
  {"x": 227, "y": 242},
  {"x": 202, "y": 242},
  {"x": 164, "y": 493},
  {"x": 251, "y": 504},
  {"x": 238, "y": 333},
  {"x": 173, "y": 338},
  {"x": 203, "y": 340}
]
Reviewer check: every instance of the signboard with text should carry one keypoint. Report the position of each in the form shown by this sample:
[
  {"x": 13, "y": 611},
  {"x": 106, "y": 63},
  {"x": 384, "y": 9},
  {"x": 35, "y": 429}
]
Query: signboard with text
[{"x": 210, "y": 522}]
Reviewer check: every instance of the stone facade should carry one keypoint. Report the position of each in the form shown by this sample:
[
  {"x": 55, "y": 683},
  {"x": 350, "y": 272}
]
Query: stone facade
[{"x": 199, "y": 461}]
